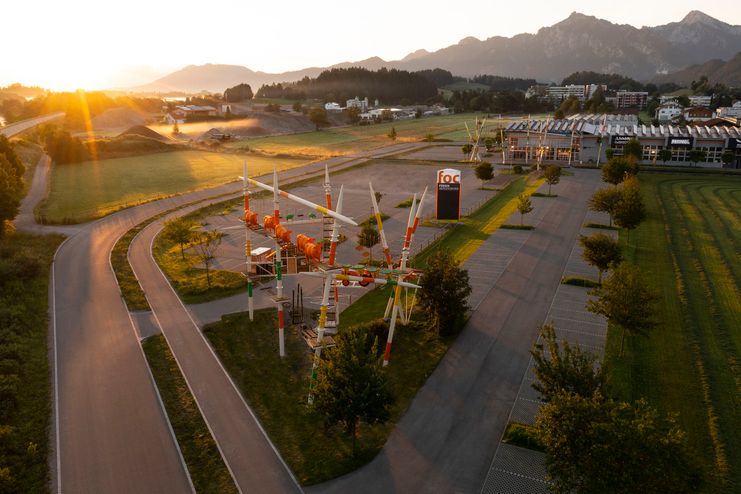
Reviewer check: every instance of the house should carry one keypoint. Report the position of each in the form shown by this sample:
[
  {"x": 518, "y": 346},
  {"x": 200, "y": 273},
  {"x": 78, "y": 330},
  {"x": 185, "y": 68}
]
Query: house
[
  {"x": 700, "y": 101},
  {"x": 332, "y": 106},
  {"x": 631, "y": 99},
  {"x": 697, "y": 114},
  {"x": 197, "y": 111},
  {"x": 668, "y": 111},
  {"x": 361, "y": 104},
  {"x": 733, "y": 111},
  {"x": 175, "y": 117}
]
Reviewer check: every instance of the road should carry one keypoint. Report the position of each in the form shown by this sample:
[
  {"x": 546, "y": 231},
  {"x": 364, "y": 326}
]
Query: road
[
  {"x": 446, "y": 440},
  {"x": 18, "y": 127},
  {"x": 111, "y": 432}
]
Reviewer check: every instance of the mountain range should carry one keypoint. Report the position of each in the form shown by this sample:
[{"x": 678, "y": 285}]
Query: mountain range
[{"x": 579, "y": 42}]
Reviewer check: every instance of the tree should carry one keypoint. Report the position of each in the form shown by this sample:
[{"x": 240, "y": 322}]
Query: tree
[
  {"x": 563, "y": 368},
  {"x": 353, "y": 114},
  {"x": 392, "y": 135},
  {"x": 208, "y": 244},
  {"x": 617, "y": 168},
  {"x": 175, "y": 129},
  {"x": 351, "y": 382},
  {"x": 11, "y": 182},
  {"x": 444, "y": 293},
  {"x": 625, "y": 300},
  {"x": 524, "y": 206},
  {"x": 664, "y": 155},
  {"x": 594, "y": 445},
  {"x": 489, "y": 144},
  {"x": 484, "y": 172},
  {"x": 179, "y": 231},
  {"x": 552, "y": 175},
  {"x": 630, "y": 210},
  {"x": 697, "y": 155},
  {"x": 609, "y": 153},
  {"x": 600, "y": 251},
  {"x": 240, "y": 92},
  {"x": 727, "y": 157},
  {"x": 378, "y": 196},
  {"x": 368, "y": 238},
  {"x": 297, "y": 107},
  {"x": 633, "y": 149},
  {"x": 466, "y": 149},
  {"x": 318, "y": 117},
  {"x": 605, "y": 201}
]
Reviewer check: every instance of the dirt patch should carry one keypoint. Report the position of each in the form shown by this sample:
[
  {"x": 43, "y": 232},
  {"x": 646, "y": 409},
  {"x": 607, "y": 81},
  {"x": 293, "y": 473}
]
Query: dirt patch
[
  {"x": 117, "y": 118},
  {"x": 141, "y": 130}
]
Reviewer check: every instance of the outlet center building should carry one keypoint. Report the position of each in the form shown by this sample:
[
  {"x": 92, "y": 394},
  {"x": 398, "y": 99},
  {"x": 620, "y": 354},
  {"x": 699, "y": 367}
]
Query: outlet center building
[{"x": 586, "y": 141}]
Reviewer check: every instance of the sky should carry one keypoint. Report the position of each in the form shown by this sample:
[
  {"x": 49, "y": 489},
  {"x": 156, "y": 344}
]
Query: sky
[{"x": 94, "y": 44}]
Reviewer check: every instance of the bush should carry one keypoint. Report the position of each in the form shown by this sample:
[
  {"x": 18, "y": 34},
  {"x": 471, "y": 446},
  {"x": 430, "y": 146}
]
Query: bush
[{"x": 517, "y": 169}]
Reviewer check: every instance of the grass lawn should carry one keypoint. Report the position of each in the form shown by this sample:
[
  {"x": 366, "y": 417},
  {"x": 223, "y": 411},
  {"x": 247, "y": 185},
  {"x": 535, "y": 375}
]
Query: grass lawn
[
  {"x": 85, "y": 191},
  {"x": 25, "y": 396},
  {"x": 206, "y": 467},
  {"x": 189, "y": 279},
  {"x": 688, "y": 249},
  {"x": 277, "y": 390},
  {"x": 341, "y": 141},
  {"x": 465, "y": 238}
]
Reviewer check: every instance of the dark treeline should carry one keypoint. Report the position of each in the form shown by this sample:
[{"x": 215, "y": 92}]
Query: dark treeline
[
  {"x": 61, "y": 146},
  {"x": 499, "y": 83},
  {"x": 439, "y": 77},
  {"x": 390, "y": 86},
  {"x": 496, "y": 102},
  {"x": 11, "y": 185}
]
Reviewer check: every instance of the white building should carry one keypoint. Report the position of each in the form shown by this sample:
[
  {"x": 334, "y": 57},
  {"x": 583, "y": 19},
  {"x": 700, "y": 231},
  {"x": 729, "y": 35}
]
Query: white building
[
  {"x": 361, "y": 104},
  {"x": 668, "y": 111},
  {"x": 700, "y": 101},
  {"x": 729, "y": 111},
  {"x": 332, "y": 106},
  {"x": 581, "y": 91}
]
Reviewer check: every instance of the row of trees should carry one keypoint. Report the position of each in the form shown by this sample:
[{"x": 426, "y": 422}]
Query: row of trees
[
  {"x": 593, "y": 443},
  {"x": 391, "y": 86},
  {"x": 11, "y": 183},
  {"x": 496, "y": 101}
]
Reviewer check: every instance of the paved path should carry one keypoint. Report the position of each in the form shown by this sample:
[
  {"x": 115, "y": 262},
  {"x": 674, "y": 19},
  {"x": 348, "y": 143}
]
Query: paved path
[
  {"x": 247, "y": 451},
  {"x": 447, "y": 438},
  {"x": 517, "y": 470},
  {"x": 18, "y": 127}
]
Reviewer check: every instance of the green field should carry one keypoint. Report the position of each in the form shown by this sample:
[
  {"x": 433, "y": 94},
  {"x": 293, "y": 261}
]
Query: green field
[
  {"x": 341, "y": 141},
  {"x": 689, "y": 249},
  {"x": 85, "y": 191},
  {"x": 205, "y": 465},
  {"x": 25, "y": 397},
  {"x": 277, "y": 390}
]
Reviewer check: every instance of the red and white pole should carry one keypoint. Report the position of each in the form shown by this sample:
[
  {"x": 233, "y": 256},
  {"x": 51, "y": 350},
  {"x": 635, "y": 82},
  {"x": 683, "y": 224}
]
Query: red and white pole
[{"x": 278, "y": 269}]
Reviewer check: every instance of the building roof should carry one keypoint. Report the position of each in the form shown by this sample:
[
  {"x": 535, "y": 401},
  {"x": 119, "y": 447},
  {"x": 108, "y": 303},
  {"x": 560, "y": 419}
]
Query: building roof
[{"x": 566, "y": 127}]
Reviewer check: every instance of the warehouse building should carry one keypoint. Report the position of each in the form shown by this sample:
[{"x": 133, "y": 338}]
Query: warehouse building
[{"x": 571, "y": 142}]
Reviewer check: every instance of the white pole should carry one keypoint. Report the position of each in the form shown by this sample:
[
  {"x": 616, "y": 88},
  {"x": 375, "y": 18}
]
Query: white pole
[
  {"x": 248, "y": 246},
  {"x": 335, "y": 231},
  {"x": 278, "y": 268},
  {"x": 379, "y": 223},
  {"x": 320, "y": 335},
  {"x": 304, "y": 202}
]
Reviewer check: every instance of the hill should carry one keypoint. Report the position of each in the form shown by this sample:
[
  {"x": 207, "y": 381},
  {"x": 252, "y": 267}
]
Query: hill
[
  {"x": 717, "y": 71},
  {"x": 578, "y": 43},
  {"x": 142, "y": 131}
]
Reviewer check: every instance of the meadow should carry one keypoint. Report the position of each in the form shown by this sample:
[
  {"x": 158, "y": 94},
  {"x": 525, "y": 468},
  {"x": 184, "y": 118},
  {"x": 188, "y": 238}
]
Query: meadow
[
  {"x": 342, "y": 141},
  {"x": 85, "y": 191},
  {"x": 689, "y": 249}
]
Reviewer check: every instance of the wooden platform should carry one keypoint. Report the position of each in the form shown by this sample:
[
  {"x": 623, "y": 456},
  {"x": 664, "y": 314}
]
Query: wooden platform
[{"x": 310, "y": 335}]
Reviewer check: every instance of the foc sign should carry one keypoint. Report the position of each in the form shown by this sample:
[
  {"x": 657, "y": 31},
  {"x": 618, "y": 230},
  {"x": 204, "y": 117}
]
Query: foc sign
[{"x": 448, "y": 176}]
